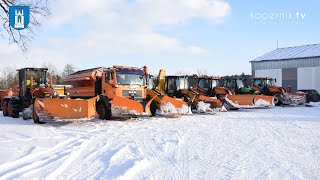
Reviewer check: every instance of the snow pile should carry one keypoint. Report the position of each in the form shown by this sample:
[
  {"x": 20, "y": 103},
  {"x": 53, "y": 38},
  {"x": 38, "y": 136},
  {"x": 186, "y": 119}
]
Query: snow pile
[
  {"x": 169, "y": 108},
  {"x": 203, "y": 107},
  {"x": 118, "y": 111},
  {"x": 262, "y": 103},
  {"x": 276, "y": 143}
]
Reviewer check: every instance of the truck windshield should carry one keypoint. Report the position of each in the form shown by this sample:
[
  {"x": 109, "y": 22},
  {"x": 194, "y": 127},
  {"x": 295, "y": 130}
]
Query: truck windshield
[{"x": 130, "y": 79}]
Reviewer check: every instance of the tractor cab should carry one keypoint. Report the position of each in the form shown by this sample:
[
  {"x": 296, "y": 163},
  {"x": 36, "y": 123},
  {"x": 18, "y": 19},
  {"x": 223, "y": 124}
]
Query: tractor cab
[
  {"x": 263, "y": 83},
  {"x": 237, "y": 85},
  {"x": 176, "y": 85}
]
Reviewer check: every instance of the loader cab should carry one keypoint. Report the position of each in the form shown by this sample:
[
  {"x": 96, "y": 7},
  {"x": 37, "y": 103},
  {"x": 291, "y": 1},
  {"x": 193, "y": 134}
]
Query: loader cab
[
  {"x": 207, "y": 84},
  {"x": 176, "y": 85},
  {"x": 39, "y": 78}
]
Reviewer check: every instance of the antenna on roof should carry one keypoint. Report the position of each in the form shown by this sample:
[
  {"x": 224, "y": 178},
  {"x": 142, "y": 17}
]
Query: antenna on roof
[{"x": 277, "y": 44}]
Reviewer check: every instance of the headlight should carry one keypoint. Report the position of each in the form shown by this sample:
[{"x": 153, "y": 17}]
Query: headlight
[
  {"x": 55, "y": 94},
  {"x": 68, "y": 93}
]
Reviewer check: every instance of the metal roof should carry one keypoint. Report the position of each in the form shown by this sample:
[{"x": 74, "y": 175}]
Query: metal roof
[{"x": 312, "y": 50}]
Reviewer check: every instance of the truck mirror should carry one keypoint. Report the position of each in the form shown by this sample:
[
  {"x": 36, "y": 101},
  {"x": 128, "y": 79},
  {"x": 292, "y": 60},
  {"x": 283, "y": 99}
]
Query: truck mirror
[{"x": 275, "y": 79}]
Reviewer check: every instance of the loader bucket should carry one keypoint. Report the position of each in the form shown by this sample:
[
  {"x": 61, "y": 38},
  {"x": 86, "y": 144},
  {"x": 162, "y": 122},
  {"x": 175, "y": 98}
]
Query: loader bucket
[
  {"x": 250, "y": 101},
  {"x": 121, "y": 106},
  {"x": 47, "y": 108},
  {"x": 170, "y": 105}
]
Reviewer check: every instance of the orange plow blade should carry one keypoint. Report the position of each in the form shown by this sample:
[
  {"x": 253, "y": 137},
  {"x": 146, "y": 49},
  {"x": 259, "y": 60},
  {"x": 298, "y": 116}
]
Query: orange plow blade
[
  {"x": 122, "y": 106},
  {"x": 250, "y": 101},
  {"x": 214, "y": 103},
  {"x": 170, "y": 105},
  {"x": 65, "y": 108}
]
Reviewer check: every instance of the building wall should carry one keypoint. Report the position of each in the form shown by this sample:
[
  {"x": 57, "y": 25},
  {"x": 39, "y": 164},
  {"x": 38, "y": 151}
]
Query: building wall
[
  {"x": 298, "y": 73},
  {"x": 309, "y": 78},
  {"x": 274, "y": 73},
  {"x": 282, "y": 64}
]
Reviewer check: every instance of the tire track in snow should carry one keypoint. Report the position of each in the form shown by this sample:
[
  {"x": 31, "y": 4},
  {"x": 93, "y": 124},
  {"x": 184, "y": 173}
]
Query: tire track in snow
[{"x": 37, "y": 159}]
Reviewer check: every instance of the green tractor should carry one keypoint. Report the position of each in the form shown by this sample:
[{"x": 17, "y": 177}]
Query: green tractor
[{"x": 238, "y": 85}]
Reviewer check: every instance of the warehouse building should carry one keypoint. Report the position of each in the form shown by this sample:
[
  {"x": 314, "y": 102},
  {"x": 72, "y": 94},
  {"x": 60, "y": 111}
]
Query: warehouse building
[{"x": 297, "y": 67}]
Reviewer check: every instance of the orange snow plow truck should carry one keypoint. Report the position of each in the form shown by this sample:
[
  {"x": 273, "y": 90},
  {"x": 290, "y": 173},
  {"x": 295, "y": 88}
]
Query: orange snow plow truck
[{"x": 118, "y": 91}]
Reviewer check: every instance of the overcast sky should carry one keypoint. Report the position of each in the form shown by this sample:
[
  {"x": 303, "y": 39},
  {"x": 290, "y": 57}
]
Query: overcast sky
[{"x": 218, "y": 36}]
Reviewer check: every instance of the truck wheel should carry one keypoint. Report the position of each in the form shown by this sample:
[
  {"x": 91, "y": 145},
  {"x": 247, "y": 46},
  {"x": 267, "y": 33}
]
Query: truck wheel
[
  {"x": 104, "y": 111},
  {"x": 4, "y": 107}
]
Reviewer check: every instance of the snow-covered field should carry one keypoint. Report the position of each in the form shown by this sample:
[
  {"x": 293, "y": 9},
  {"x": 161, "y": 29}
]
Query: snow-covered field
[{"x": 277, "y": 143}]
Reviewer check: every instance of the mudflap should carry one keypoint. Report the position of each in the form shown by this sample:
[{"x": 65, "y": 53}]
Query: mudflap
[
  {"x": 250, "y": 101},
  {"x": 65, "y": 109},
  {"x": 172, "y": 107},
  {"x": 124, "y": 107}
]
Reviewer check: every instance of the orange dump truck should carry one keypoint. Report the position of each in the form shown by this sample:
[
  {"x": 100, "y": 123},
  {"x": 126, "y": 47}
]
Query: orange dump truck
[{"x": 119, "y": 91}]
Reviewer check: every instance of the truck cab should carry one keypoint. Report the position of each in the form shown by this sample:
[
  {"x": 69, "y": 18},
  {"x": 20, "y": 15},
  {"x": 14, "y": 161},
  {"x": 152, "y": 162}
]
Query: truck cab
[{"x": 123, "y": 81}]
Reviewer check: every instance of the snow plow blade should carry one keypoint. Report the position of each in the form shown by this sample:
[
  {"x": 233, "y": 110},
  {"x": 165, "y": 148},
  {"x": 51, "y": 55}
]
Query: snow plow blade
[
  {"x": 250, "y": 101},
  {"x": 293, "y": 99},
  {"x": 206, "y": 104},
  {"x": 124, "y": 107},
  {"x": 51, "y": 109},
  {"x": 172, "y": 106},
  {"x": 214, "y": 103}
]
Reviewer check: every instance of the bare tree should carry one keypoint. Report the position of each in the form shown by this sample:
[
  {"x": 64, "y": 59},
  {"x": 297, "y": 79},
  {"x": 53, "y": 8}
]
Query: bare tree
[
  {"x": 181, "y": 73},
  {"x": 202, "y": 72},
  {"x": 52, "y": 71},
  {"x": 9, "y": 77},
  {"x": 38, "y": 11},
  {"x": 68, "y": 69}
]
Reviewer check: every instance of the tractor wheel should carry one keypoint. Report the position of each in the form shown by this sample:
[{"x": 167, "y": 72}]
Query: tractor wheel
[
  {"x": 10, "y": 109},
  {"x": 277, "y": 101},
  {"x": 4, "y": 107},
  {"x": 153, "y": 108},
  {"x": 104, "y": 111},
  {"x": 13, "y": 107}
]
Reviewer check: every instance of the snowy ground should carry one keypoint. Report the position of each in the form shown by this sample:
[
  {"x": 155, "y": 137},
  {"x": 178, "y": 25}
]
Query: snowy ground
[{"x": 278, "y": 143}]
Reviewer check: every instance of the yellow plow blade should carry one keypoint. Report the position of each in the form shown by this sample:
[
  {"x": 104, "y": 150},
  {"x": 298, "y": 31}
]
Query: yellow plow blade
[
  {"x": 250, "y": 101},
  {"x": 65, "y": 108}
]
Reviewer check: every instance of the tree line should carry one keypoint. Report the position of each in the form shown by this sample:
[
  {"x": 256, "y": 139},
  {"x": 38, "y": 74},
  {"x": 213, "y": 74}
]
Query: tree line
[{"x": 9, "y": 75}]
